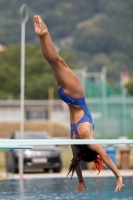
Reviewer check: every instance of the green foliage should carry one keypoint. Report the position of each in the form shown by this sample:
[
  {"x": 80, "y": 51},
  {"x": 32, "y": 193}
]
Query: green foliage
[
  {"x": 38, "y": 73},
  {"x": 101, "y": 34},
  {"x": 129, "y": 86},
  {"x": 10, "y": 73}
]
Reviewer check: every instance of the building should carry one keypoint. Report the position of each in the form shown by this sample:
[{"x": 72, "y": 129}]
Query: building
[{"x": 39, "y": 115}]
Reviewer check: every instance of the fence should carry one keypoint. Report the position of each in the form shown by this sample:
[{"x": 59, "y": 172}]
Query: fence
[{"x": 111, "y": 107}]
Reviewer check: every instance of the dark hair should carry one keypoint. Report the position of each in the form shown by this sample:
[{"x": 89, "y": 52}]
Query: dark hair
[{"x": 87, "y": 155}]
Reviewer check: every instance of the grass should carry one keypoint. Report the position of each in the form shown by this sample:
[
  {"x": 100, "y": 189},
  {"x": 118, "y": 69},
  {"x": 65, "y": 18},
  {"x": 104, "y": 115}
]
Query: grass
[{"x": 53, "y": 128}]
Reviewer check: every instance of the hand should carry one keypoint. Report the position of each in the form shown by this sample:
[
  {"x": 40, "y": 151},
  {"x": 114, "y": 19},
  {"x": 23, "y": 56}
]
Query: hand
[
  {"x": 80, "y": 187},
  {"x": 119, "y": 184}
]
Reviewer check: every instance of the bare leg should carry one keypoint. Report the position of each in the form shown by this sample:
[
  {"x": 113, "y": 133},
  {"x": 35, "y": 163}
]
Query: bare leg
[{"x": 65, "y": 77}]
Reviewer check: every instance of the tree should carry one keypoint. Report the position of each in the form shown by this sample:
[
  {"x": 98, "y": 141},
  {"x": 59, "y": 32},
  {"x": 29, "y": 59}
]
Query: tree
[
  {"x": 95, "y": 28},
  {"x": 129, "y": 86},
  {"x": 38, "y": 73}
]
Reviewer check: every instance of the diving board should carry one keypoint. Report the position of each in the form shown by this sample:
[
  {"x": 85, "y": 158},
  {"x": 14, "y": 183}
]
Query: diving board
[
  {"x": 13, "y": 146},
  {"x": 33, "y": 142}
]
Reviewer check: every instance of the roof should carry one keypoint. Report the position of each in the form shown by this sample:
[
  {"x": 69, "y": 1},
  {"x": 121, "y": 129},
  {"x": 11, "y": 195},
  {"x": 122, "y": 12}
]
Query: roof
[{"x": 16, "y": 103}]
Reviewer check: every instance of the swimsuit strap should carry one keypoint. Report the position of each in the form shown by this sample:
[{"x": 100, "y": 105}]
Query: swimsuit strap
[
  {"x": 71, "y": 100},
  {"x": 74, "y": 128}
]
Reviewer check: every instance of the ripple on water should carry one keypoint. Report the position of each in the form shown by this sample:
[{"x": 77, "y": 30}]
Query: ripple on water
[{"x": 65, "y": 189}]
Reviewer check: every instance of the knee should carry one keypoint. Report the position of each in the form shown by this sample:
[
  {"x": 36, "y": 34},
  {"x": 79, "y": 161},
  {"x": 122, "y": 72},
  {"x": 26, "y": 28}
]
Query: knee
[{"x": 58, "y": 61}]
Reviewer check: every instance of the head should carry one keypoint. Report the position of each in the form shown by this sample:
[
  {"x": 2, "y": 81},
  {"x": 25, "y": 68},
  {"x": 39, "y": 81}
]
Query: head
[{"x": 87, "y": 155}]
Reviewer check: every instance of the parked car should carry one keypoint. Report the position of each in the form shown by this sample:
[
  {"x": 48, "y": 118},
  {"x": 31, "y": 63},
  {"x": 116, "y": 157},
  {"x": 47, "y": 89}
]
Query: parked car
[{"x": 46, "y": 157}]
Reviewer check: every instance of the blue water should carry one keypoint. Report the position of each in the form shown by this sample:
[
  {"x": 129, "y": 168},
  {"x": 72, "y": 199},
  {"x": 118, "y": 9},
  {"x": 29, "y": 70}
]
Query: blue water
[{"x": 99, "y": 188}]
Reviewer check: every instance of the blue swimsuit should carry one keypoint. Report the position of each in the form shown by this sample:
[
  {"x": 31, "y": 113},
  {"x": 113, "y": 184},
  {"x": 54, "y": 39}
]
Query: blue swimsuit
[{"x": 80, "y": 102}]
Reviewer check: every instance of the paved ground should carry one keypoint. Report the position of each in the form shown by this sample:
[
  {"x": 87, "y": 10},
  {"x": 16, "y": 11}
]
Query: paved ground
[{"x": 86, "y": 173}]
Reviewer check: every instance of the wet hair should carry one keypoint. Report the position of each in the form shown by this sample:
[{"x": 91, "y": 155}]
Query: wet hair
[{"x": 87, "y": 155}]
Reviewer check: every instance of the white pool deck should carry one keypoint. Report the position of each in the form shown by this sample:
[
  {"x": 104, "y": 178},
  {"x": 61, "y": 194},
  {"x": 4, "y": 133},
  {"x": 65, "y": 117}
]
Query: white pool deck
[{"x": 63, "y": 174}]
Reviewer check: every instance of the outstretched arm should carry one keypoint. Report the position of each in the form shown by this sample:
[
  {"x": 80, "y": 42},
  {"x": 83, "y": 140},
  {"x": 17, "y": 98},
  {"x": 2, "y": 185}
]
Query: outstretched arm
[
  {"x": 81, "y": 184},
  {"x": 99, "y": 149}
]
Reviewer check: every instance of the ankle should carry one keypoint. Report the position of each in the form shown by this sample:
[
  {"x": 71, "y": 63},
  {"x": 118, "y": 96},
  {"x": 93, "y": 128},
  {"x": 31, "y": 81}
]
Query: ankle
[{"x": 44, "y": 33}]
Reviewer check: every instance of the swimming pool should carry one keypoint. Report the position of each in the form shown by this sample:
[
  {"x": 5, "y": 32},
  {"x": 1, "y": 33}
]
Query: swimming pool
[{"x": 99, "y": 188}]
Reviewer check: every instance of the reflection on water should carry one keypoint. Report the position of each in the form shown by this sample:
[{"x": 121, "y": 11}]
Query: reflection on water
[{"x": 65, "y": 188}]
